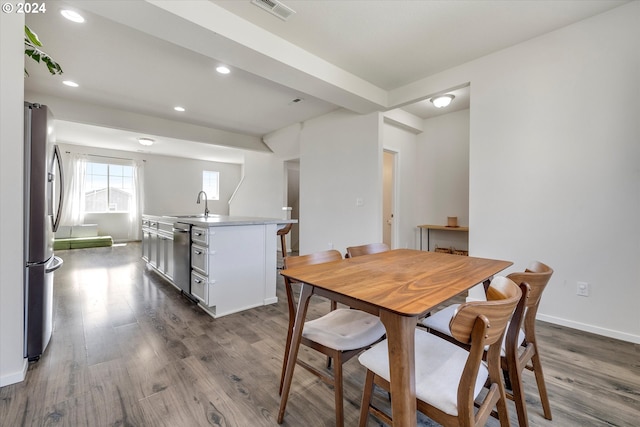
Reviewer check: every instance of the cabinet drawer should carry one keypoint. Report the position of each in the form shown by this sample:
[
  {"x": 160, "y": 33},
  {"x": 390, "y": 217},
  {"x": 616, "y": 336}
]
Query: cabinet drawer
[
  {"x": 199, "y": 259},
  {"x": 199, "y": 236},
  {"x": 166, "y": 227},
  {"x": 199, "y": 287}
]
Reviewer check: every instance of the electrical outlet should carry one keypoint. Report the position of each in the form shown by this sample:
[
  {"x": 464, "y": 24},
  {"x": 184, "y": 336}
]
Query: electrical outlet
[{"x": 583, "y": 289}]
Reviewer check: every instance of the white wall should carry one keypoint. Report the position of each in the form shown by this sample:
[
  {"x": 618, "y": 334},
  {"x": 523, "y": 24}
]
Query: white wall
[
  {"x": 553, "y": 168},
  {"x": 285, "y": 145},
  {"x": 12, "y": 364},
  {"x": 261, "y": 193},
  {"x": 555, "y": 149},
  {"x": 171, "y": 186},
  {"x": 443, "y": 177},
  {"x": 340, "y": 161},
  {"x": 403, "y": 144}
]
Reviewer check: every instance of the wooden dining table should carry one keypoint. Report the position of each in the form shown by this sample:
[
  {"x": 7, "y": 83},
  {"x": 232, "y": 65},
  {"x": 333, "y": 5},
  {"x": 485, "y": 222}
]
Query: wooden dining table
[{"x": 399, "y": 286}]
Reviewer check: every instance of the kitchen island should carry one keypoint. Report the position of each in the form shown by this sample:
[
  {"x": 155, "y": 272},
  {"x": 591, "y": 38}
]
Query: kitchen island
[{"x": 228, "y": 264}]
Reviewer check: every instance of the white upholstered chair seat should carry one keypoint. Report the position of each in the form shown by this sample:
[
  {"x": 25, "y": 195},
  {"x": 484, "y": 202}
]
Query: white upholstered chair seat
[
  {"x": 439, "y": 366},
  {"x": 344, "y": 329},
  {"x": 440, "y": 322}
]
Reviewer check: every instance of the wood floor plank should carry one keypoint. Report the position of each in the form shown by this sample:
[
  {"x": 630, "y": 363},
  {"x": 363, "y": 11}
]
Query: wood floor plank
[{"x": 129, "y": 350}]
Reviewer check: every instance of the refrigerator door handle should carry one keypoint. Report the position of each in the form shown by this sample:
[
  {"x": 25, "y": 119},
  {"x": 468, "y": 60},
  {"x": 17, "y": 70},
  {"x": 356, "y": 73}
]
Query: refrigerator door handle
[
  {"x": 56, "y": 263},
  {"x": 58, "y": 157}
]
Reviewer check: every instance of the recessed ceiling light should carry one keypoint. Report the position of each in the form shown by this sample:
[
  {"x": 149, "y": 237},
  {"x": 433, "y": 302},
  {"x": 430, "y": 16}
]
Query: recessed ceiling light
[
  {"x": 72, "y": 15},
  {"x": 70, "y": 83},
  {"x": 181, "y": 109},
  {"x": 146, "y": 141},
  {"x": 442, "y": 101},
  {"x": 222, "y": 69}
]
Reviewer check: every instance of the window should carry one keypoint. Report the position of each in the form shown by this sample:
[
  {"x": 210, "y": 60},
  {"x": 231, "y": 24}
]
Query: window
[
  {"x": 211, "y": 184},
  {"x": 109, "y": 187}
]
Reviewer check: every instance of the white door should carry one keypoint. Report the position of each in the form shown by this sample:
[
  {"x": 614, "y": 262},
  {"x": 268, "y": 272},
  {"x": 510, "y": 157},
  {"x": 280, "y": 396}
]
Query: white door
[
  {"x": 292, "y": 171},
  {"x": 388, "y": 197}
]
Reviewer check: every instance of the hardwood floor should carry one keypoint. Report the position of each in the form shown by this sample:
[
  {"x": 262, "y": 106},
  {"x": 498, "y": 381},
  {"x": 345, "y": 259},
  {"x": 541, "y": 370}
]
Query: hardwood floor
[{"x": 128, "y": 350}]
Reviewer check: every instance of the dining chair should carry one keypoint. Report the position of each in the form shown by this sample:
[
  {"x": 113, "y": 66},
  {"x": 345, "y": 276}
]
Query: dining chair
[
  {"x": 519, "y": 348},
  {"x": 371, "y": 248},
  {"x": 340, "y": 334},
  {"x": 449, "y": 379}
]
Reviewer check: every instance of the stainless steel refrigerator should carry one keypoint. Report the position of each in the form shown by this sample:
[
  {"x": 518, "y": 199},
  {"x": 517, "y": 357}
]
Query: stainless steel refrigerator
[{"x": 44, "y": 196}]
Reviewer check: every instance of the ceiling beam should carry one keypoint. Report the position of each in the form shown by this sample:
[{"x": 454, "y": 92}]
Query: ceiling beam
[
  {"x": 211, "y": 30},
  {"x": 73, "y": 111}
]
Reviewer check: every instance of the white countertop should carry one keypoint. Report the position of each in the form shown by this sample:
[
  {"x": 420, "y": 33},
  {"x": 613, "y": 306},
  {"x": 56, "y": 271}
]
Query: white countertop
[{"x": 214, "y": 220}]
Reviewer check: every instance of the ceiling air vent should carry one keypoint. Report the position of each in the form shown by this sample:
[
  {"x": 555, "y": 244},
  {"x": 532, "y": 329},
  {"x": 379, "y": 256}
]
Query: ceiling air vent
[{"x": 275, "y": 7}]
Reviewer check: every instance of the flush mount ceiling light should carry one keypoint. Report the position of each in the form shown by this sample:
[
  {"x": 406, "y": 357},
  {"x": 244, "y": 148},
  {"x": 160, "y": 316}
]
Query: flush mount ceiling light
[
  {"x": 442, "y": 101},
  {"x": 178, "y": 108},
  {"x": 72, "y": 15},
  {"x": 146, "y": 141},
  {"x": 222, "y": 69},
  {"x": 70, "y": 83}
]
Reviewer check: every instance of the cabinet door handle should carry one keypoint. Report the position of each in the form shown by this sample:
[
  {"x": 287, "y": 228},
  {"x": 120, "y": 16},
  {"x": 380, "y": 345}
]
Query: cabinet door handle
[
  {"x": 198, "y": 252},
  {"x": 198, "y": 281}
]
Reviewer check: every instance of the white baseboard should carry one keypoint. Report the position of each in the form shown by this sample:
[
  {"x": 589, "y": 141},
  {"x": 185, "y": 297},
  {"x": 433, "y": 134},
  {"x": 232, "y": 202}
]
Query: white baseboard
[
  {"x": 623, "y": 336},
  {"x": 271, "y": 300},
  {"x": 610, "y": 333},
  {"x": 15, "y": 377}
]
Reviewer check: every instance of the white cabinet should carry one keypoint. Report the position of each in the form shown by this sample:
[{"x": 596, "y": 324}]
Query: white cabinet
[
  {"x": 146, "y": 240},
  {"x": 199, "y": 259},
  {"x": 164, "y": 255},
  {"x": 233, "y": 267},
  {"x": 149, "y": 241},
  {"x": 233, "y": 260},
  {"x": 168, "y": 256},
  {"x": 157, "y": 244},
  {"x": 199, "y": 236},
  {"x": 199, "y": 287},
  {"x": 164, "y": 247}
]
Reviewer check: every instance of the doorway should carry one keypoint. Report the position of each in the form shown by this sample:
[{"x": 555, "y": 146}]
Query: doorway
[
  {"x": 292, "y": 185},
  {"x": 388, "y": 197}
]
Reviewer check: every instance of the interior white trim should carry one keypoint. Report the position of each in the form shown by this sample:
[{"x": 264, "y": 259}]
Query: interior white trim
[
  {"x": 590, "y": 328},
  {"x": 15, "y": 377}
]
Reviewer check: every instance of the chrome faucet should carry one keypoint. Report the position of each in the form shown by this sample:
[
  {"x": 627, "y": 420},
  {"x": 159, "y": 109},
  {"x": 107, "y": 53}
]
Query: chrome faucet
[{"x": 206, "y": 206}]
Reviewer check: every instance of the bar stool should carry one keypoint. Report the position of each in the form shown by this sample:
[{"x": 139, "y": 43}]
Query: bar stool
[{"x": 283, "y": 242}]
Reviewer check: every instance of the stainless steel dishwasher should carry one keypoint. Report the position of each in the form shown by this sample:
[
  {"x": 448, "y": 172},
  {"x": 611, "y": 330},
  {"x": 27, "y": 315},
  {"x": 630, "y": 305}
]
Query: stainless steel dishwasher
[{"x": 182, "y": 256}]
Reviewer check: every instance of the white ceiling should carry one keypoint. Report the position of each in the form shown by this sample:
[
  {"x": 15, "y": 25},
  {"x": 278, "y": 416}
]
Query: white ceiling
[
  {"x": 117, "y": 139},
  {"x": 145, "y": 57}
]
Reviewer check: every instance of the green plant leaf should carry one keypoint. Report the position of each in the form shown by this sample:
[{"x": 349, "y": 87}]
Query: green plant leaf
[
  {"x": 33, "y": 37},
  {"x": 53, "y": 66},
  {"x": 31, "y": 44}
]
